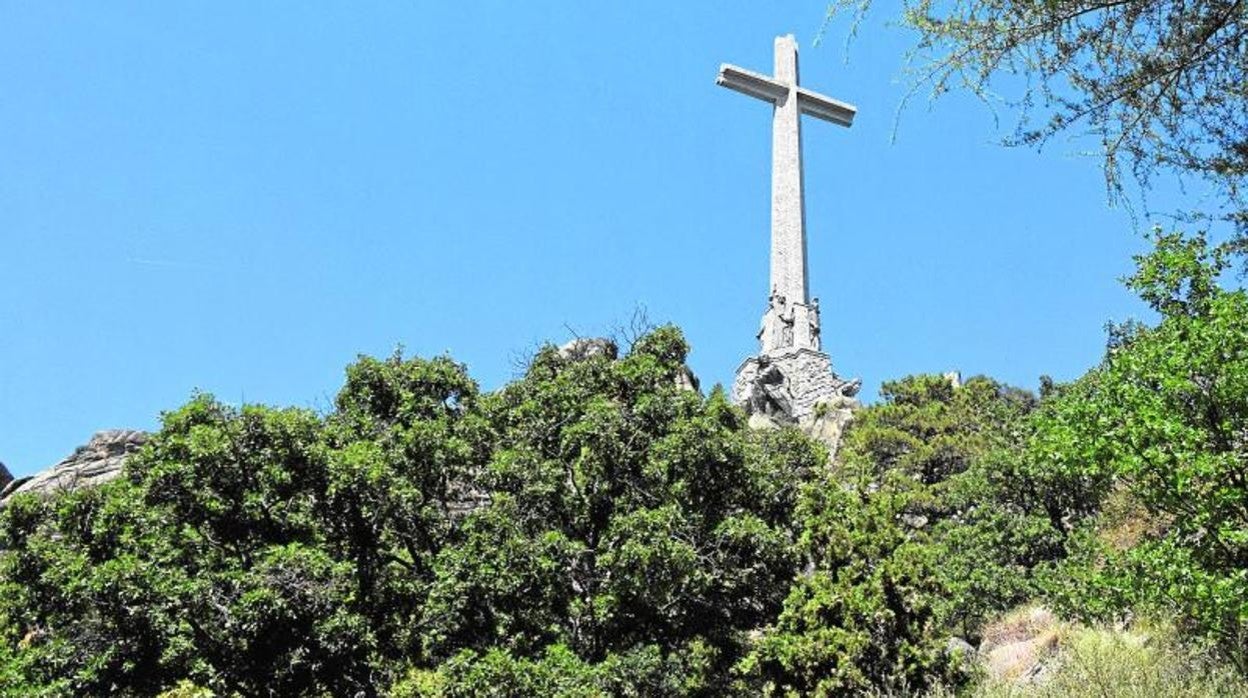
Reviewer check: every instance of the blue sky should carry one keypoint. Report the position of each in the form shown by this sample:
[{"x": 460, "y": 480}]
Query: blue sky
[{"x": 241, "y": 197}]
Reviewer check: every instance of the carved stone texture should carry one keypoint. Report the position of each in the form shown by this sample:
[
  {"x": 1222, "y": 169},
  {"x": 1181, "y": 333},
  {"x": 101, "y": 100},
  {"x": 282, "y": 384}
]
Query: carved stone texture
[
  {"x": 94, "y": 463},
  {"x": 817, "y": 401},
  {"x": 809, "y": 376},
  {"x": 791, "y": 380},
  {"x": 828, "y": 422}
]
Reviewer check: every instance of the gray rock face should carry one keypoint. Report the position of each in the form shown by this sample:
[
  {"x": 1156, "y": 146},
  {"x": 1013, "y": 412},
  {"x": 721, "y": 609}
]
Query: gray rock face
[
  {"x": 799, "y": 388},
  {"x": 828, "y": 422},
  {"x": 957, "y": 647},
  {"x": 5, "y": 476},
  {"x": 762, "y": 421},
  {"x": 1019, "y": 648},
  {"x": 94, "y": 463},
  {"x": 581, "y": 349}
]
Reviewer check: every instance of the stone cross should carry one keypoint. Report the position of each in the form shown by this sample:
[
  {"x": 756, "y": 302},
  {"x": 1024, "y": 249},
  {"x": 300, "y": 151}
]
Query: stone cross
[{"x": 791, "y": 322}]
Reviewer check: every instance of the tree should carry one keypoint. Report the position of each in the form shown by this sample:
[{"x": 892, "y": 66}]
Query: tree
[
  {"x": 1164, "y": 419},
  {"x": 1163, "y": 84},
  {"x": 251, "y": 550},
  {"x": 593, "y": 528},
  {"x": 911, "y": 538},
  {"x": 634, "y": 532},
  {"x": 206, "y": 562}
]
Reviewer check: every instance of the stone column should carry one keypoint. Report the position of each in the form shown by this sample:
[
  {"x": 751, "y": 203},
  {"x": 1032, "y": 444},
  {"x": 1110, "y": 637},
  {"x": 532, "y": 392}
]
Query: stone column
[
  {"x": 788, "y": 219},
  {"x": 801, "y": 327}
]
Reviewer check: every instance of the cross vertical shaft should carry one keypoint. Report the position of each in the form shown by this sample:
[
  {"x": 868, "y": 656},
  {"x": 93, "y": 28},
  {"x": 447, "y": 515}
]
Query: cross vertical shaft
[{"x": 788, "y": 215}]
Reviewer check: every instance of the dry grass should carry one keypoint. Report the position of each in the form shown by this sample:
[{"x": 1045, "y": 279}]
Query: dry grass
[
  {"x": 1143, "y": 663},
  {"x": 1020, "y": 624},
  {"x": 1125, "y": 521}
]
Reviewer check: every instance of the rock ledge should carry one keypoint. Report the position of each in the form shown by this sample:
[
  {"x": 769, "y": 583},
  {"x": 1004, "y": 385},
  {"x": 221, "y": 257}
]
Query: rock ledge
[{"x": 94, "y": 463}]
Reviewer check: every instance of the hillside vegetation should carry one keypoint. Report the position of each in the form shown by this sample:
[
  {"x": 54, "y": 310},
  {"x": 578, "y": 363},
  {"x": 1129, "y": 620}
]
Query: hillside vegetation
[{"x": 594, "y": 528}]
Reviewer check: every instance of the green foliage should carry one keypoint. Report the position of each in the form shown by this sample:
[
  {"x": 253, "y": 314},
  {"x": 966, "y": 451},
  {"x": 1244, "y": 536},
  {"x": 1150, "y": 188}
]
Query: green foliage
[
  {"x": 625, "y": 514},
  {"x": 186, "y": 689},
  {"x": 561, "y": 673},
  {"x": 591, "y": 529},
  {"x": 249, "y": 550},
  {"x": 905, "y": 543},
  {"x": 941, "y": 460},
  {"x": 1164, "y": 420},
  {"x": 595, "y": 529},
  {"x": 863, "y": 618},
  {"x": 208, "y": 563}
]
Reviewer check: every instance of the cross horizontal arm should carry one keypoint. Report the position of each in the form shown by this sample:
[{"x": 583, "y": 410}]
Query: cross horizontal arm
[
  {"x": 825, "y": 108},
  {"x": 768, "y": 89},
  {"x": 751, "y": 83}
]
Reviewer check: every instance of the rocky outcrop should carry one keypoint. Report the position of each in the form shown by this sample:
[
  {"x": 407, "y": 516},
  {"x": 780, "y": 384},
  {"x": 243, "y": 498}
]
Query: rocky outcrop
[
  {"x": 580, "y": 348},
  {"x": 583, "y": 348},
  {"x": 686, "y": 380},
  {"x": 5, "y": 476},
  {"x": 1017, "y": 649},
  {"x": 94, "y": 463},
  {"x": 828, "y": 421},
  {"x": 1023, "y": 661}
]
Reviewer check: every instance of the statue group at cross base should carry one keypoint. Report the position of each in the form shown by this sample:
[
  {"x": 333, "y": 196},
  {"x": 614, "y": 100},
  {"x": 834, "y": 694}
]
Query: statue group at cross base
[
  {"x": 769, "y": 391},
  {"x": 788, "y": 325},
  {"x": 770, "y": 394}
]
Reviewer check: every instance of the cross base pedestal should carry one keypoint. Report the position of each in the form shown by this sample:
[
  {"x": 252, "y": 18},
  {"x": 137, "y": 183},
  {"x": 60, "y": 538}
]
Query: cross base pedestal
[{"x": 789, "y": 385}]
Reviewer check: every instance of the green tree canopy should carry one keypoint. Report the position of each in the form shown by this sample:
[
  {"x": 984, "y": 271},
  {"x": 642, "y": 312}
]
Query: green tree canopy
[
  {"x": 1164, "y": 419},
  {"x": 591, "y": 528},
  {"x": 912, "y": 538}
]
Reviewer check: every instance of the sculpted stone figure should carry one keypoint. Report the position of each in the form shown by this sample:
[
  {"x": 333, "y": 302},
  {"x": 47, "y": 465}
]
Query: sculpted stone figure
[
  {"x": 776, "y": 329},
  {"x": 813, "y": 318},
  {"x": 769, "y": 393},
  {"x": 787, "y": 316},
  {"x": 850, "y": 388},
  {"x": 765, "y": 331}
]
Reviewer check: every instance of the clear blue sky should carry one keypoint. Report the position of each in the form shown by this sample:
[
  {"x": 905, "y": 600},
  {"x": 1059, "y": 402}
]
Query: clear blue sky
[{"x": 242, "y": 197}]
